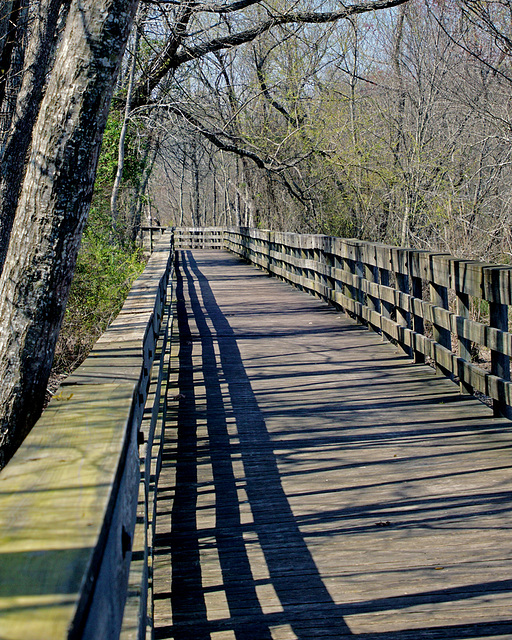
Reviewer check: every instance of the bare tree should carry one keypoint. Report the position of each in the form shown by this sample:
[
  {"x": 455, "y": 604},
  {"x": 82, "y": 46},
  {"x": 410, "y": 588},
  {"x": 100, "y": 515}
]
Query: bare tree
[
  {"x": 193, "y": 37},
  {"x": 49, "y": 167},
  {"x": 12, "y": 29}
]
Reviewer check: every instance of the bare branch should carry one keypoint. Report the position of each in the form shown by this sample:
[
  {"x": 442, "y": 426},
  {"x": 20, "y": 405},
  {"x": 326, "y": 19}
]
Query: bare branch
[
  {"x": 302, "y": 17},
  {"x": 172, "y": 56},
  {"x": 209, "y": 7}
]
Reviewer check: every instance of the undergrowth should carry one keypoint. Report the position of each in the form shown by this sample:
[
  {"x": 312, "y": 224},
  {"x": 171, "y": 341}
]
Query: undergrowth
[{"x": 104, "y": 273}]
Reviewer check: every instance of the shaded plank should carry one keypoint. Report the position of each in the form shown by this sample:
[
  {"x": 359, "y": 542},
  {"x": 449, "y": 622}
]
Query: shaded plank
[{"x": 326, "y": 486}]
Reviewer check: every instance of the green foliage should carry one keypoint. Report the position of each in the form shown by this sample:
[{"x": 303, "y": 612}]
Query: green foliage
[
  {"x": 106, "y": 265},
  {"x": 103, "y": 277},
  {"x": 337, "y": 224},
  {"x": 135, "y": 159},
  {"x": 107, "y": 166}
]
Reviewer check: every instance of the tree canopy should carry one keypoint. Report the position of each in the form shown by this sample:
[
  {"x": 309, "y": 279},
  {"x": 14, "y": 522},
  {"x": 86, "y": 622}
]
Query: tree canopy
[{"x": 388, "y": 120}]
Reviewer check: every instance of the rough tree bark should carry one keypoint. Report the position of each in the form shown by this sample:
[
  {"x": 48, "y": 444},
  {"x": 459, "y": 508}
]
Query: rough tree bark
[
  {"x": 44, "y": 22},
  {"x": 53, "y": 206},
  {"x": 11, "y": 19}
]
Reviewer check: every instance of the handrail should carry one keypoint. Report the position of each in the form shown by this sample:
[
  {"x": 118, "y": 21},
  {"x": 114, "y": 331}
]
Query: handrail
[
  {"x": 77, "y": 499},
  {"x": 427, "y": 303},
  {"x": 418, "y": 299},
  {"x": 199, "y": 237},
  {"x": 69, "y": 496}
]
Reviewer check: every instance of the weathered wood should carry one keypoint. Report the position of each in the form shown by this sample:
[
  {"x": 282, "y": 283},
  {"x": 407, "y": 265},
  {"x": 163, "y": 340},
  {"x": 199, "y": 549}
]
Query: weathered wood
[
  {"x": 68, "y": 498},
  {"x": 199, "y": 237},
  {"x": 138, "y": 611},
  {"x": 500, "y": 363},
  {"x": 343, "y": 271},
  {"x": 417, "y": 318},
  {"x": 315, "y": 483}
]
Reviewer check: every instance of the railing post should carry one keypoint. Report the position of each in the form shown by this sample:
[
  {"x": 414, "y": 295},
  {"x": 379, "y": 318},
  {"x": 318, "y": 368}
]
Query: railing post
[
  {"x": 400, "y": 264},
  {"x": 383, "y": 262},
  {"x": 438, "y": 285},
  {"x": 497, "y": 291},
  {"x": 354, "y": 266},
  {"x": 371, "y": 274},
  {"x": 464, "y": 343},
  {"x": 459, "y": 270},
  {"x": 418, "y": 324},
  {"x": 338, "y": 266},
  {"x": 359, "y": 271},
  {"x": 330, "y": 264}
]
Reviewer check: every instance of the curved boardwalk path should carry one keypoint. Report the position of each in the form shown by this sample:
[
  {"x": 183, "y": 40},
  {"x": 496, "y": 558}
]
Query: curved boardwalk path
[{"x": 318, "y": 485}]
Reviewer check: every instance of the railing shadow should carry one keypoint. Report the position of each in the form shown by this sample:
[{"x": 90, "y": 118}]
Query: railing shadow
[
  {"x": 182, "y": 539},
  {"x": 274, "y": 524}
]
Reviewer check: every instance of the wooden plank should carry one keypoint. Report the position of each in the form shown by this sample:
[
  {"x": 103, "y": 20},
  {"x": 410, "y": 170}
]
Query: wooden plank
[
  {"x": 311, "y": 265},
  {"x": 500, "y": 363},
  {"x": 53, "y": 505},
  {"x": 138, "y": 614},
  {"x": 464, "y": 344},
  {"x": 317, "y": 484},
  {"x": 68, "y": 497}
]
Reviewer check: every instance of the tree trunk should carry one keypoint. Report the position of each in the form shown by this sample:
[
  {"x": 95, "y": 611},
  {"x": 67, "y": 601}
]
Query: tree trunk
[
  {"x": 142, "y": 185},
  {"x": 124, "y": 129},
  {"x": 13, "y": 57},
  {"x": 53, "y": 207},
  {"x": 29, "y": 98},
  {"x": 8, "y": 44}
]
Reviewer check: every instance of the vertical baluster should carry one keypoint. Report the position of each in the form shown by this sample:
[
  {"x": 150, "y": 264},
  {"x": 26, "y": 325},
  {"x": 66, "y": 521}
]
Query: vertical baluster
[
  {"x": 418, "y": 324},
  {"x": 359, "y": 271},
  {"x": 350, "y": 264},
  {"x": 439, "y": 278},
  {"x": 496, "y": 288},
  {"x": 338, "y": 266},
  {"x": 439, "y": 297},
  {"x": 384, "y": 261},
  {"x": 403, "y": 315},
  {"x": 371, "y": 273},
  {"x": 464, "y": 344}
]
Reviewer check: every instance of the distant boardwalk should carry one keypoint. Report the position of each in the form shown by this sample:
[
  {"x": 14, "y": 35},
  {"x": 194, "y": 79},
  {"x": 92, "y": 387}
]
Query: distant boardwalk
[{"x": 318, "y": 484}]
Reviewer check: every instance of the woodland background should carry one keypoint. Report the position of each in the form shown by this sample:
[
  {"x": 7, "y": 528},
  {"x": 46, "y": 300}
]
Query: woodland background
[{"x": 388, "y": 121}]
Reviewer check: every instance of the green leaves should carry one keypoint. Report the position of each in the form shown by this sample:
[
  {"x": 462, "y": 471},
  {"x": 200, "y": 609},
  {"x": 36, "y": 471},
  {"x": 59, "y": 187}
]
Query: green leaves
[
  {"x": 107, "y": 165},
  {"x": 104, "y": 274}
]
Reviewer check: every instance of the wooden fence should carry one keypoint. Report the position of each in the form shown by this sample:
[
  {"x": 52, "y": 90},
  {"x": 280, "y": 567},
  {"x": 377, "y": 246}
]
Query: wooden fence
[
  {"x": 151, "y": 236},
  {"x": 199, "y": 237},
  {"x": 451, "y": 312},
  {"x": 77, "y": 499}
]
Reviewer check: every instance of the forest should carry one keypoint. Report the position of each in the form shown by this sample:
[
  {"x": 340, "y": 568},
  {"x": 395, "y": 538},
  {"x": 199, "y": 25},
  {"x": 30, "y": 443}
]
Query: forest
[{"x": 384, "y": 120}]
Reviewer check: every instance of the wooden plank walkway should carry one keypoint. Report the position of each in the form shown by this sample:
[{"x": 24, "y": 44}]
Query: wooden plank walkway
[{"x": 318, "y": 484}]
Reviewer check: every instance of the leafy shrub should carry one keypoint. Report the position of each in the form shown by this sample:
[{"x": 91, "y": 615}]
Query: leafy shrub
[
  {"x": 108, "y": 261},
  {"x": 104, "y": 274}
]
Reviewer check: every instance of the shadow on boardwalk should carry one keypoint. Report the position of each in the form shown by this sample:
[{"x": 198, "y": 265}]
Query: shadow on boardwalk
[{"x": 307, "y": 609}]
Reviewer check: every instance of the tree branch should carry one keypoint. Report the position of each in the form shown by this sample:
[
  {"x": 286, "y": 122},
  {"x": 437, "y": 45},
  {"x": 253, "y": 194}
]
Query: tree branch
[
  {"x": 170, "y": 59},
  {"x": 302, "y": 17},
  {"x": 209, "y": 7}
]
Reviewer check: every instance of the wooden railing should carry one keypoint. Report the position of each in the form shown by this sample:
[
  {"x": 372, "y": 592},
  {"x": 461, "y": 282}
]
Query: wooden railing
[
  {"x": 199, "y": 237},
  {"x": 449, "y": 311},
  {"x": 77, "y": 499},
  {"x": 151, "y": 236}
]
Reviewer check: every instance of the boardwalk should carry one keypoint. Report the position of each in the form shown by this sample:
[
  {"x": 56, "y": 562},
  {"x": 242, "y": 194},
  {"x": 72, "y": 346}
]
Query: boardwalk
[{"x": 318, "y": 484}]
